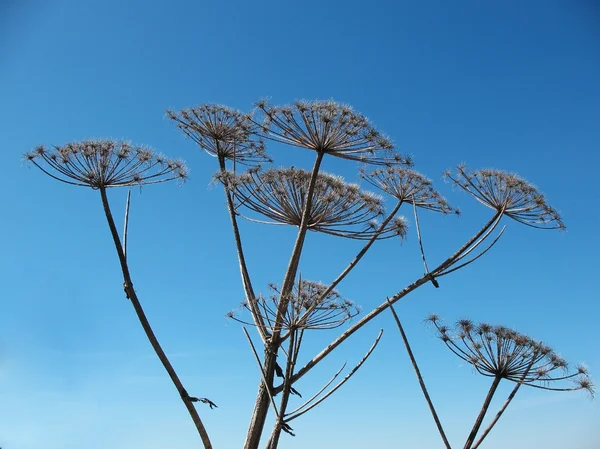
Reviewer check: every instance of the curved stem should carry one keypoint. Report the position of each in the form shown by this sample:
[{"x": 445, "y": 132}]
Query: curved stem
[
  {"x": 421, "y": 381},
  {"x": 304, "y": 408},
  {"x": 132, "y": 296}
]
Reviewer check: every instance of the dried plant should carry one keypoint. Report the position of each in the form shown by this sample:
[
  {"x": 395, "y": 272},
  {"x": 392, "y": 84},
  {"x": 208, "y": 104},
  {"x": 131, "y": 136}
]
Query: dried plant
[
  {"x": 222, "y": 132},
  {"x": 312, "y": 306},
  {"x": 508, "y": 194},
  {"x": 420, "y": 377},
  {"x": 101, "y": 164},
  {"x": 329, "y": 128},
  {"x": 503, "y": 353},
  {"x": 317, "y": 201},
  {"x": 337, "y": 207},
  {"x": 310, "y": 200},
  {"x": 408, "y": 186}
]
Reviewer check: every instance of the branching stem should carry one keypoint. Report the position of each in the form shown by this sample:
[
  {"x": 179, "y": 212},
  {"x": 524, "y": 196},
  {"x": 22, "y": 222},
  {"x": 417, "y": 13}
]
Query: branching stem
[{"x": 484, "y": 408}]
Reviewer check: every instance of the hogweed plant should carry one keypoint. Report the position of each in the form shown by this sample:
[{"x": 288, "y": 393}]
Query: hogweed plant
[
  {"x": 502, "y": 354},
  {"x": 102, "y": 164},
  {"x": 312, "y": 200},
  {"x": 309, "y": 200}
]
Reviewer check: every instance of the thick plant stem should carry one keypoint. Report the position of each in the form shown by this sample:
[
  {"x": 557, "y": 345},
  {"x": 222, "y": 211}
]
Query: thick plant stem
[
  {"x": 421, "y": 381},
  {"x": 261, "y": 407},
  {"x": 259, "y": 415},
  {"x": 285, "y": 394},
  {"x": 484, "y": 408},
  {"x": 292, "y": 269},
  {"x": 132, "y": 296}
]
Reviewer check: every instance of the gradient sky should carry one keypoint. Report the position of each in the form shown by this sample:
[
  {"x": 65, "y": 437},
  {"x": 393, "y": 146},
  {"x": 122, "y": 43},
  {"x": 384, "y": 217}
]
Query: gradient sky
[{"x": 510, "y": 85}]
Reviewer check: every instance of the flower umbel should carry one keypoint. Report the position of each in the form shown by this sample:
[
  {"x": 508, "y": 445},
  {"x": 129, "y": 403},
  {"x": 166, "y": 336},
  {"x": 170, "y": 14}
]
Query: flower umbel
[
  {"x": 330, "y": 128},
  {"x": 307, "y": 309},
  {"x": 497, "y": 351},
  {"x": 510, "y": 194},
  {"x": 101, "y": 164},
  {"x": 337, "y": 207},
  {"x": 222, "y": 132},
  {"x": 408, "y": 186}
]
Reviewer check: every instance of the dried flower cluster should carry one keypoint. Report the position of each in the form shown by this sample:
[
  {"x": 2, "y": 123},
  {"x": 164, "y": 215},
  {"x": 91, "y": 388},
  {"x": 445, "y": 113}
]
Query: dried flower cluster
[
  {"x": 497, "y": 351},
  {"x": 330, "y": 128},
  {"x": 408, "y": 186},
  {"x": 337, "y": 207},
  {"x": 222, "y": 132},
  {"x": 101, "y": 164},
  {"x": 311, "y": 306},
  {"x": 509, "y": 194}
]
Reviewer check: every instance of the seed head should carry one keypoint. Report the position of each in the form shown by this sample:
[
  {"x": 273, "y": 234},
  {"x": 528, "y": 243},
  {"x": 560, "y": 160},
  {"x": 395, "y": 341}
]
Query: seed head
[
  {"x": 337, "y": 208},
  {"x": 330, "y": 128},
  {"x": 105, "y": 163},
  {"x": 221, "y": 132},
  {"x": 309, "y": 307},
  {"x": 498, "y": 351},
  {"x": 510, "y": 194},
  {"x": 408, "y": 186}
]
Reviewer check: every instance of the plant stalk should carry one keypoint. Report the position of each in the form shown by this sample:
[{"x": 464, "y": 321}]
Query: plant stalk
[
  {"x": 503, "y": 408},
  {"x": 484, "y": 408},
  {"x": 261, "y": 408},
  {"x": 132, "y": 296},
  {"x": 421, "y": 381}
]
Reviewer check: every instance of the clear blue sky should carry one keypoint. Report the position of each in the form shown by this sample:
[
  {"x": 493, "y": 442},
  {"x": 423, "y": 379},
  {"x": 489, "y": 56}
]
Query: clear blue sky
[{"x": 511, "y": 85}]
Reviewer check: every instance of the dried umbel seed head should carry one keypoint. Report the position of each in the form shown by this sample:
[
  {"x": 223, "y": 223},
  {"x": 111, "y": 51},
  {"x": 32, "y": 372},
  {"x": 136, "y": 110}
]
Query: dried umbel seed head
[
  {"x": 509, "y": 194},
  {"x": 337, "y": 208},
  {"x": 498, "y": 351},
  {"x": 311, "y": 306},
  {"x": 101, "y": 164},
  {"x": 330, "y": 128},
  {"x": 408, "y": 186},
  {"x": 222, "y": 132}
]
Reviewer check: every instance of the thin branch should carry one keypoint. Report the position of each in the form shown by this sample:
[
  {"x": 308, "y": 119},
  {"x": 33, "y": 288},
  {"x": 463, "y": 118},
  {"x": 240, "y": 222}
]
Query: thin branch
[
  {"x": 433, "y": 281},
  {"x": 320, "y": 391},
  {"x": 360, "y": 254},
  {"x": 246, "y": 281},
  {"x": 262, "y": 372},
  {"x": 132, "y": 296},
  {"x": 458, "y": 267},
  {"x": 418, "y": 373},
  {"x": 348, "y": 376}
]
